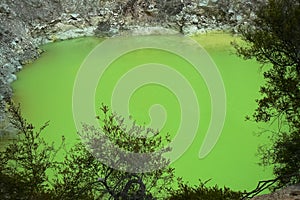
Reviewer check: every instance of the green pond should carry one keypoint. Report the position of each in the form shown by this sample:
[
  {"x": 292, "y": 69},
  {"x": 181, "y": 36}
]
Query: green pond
[{"x": 45, "y": 88}]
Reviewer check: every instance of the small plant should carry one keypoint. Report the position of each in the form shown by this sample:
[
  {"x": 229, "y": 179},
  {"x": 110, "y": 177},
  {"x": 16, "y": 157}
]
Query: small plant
[
  {"x": 25, "y": 161},
  {"x": 82, "y": 174}
]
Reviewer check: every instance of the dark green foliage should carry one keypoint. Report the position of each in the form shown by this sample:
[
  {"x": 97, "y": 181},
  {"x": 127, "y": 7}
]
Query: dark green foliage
[
  {"x": 285, "y": 156},
  {"x": 76, "y": 177},
  {"x": 12, "y": 188},
  {"x": 82, "y": 175},
  {"x": 25, "y": 164},
  {"x": 202, "y": 192},
  {"x": 274, "y": 39},
  {"x": 25, "y": 161}
]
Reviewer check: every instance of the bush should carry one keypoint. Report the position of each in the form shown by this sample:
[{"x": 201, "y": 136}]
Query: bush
[{"x": 203, "y": 192}]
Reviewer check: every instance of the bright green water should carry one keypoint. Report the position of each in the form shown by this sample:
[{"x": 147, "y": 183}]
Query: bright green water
[{"x": 45, "y": 87}]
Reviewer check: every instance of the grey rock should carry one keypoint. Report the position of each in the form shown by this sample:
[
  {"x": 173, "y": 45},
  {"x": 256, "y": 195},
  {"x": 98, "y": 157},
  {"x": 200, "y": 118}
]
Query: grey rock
[
  {"x": 203, "y": 2},
  {"x": 189, "y": 29},
  {"x": 4, "y": 8},
  {"x": 157, "y": 30},
  {"x": 288, "y": 193},
  {"x": 11, "y": 78},
  {"x": 75, "y": 16},
  {"x": 239, "y": 18}
]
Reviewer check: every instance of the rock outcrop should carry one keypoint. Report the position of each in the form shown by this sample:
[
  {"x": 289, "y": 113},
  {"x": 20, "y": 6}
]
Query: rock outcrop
[{"x": 288, "y": 193}]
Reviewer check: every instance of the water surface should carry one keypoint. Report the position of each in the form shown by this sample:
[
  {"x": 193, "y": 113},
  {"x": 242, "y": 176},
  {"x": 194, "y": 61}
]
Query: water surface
[{"x": 44, "y": 89}]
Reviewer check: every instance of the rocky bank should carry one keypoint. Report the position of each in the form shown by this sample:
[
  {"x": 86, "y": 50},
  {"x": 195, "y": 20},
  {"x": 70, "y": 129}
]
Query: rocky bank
[{"x": 288, "y": 193}]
